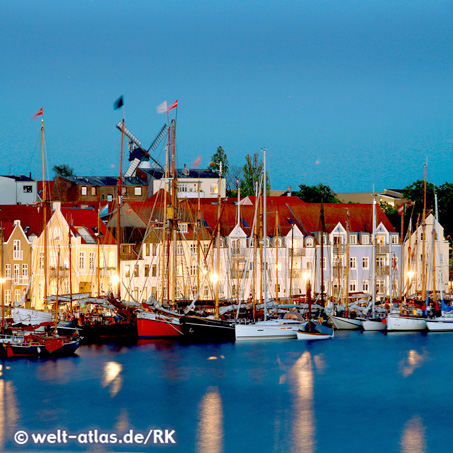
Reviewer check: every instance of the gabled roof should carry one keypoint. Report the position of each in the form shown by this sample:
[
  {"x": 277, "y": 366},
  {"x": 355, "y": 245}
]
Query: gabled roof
[
  {"x": 181, "y": 173},
  {"x": 30, "y": 216},
  {"x": 104, "y": 180}
]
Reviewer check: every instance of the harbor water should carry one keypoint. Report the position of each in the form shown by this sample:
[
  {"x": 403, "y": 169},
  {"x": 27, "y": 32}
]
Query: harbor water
[{"x": 361, "y": 391}]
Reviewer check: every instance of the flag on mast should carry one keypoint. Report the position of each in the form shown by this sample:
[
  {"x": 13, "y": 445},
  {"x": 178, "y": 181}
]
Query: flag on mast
[
  {"x": 401, "y": 209},
  {"x": 197, "y": 162},
  {"x": 38, "y": 113},
  {"x": 165, "y": 108}
]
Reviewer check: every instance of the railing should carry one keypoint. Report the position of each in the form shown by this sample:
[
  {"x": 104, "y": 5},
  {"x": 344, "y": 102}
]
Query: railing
[
  {"x": 238, "y": 251},
  {"x": 58, "y": 273},
  {"x": 107, "y": 272},
  {"x": 382, "y": 270},
  {"x": 339, "y": 248},
  {"x": 297, "y": 252},
  {"x": 382, "y": 249}
]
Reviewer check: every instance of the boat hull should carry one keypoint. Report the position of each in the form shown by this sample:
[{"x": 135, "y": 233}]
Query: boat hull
[
  {"x": 206, "y": 330},
  {"x": 342, "y": 323},
  {"x": 96, "y": 333},
  {"x": 150, "y": 325},
  {"x": 398, "y": 323},
  {"x": 373, "y": 325},
  {"x": 28, "y": 316},
  {"x": 313, "y": 336},
  {"x": 440, "y": 325},
  {"x": 268, "y": 330},
  {"x": 43, "y": 348}
]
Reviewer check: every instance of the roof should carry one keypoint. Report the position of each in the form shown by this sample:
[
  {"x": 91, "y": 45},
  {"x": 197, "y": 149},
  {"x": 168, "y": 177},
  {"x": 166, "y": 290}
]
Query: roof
[
  {"x": 19, "y": 178},
  {"x": 30, "y": 216},
  {"x": 189, "y": 173},
  {"x": 104, "y": 180}
]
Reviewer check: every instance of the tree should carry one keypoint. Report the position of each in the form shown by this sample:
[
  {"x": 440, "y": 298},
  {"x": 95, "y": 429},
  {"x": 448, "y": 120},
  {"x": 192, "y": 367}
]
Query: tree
[
  {"x": 234, "y": 176},
  {"x": 313, "y": 194},
  {"x": 415, "y": 192},
  {"x": 216, "y": 158},
  {"x": 388, "y": 208},
  {"x": 63, "y": 170},
  {"x": 251, "y": 174}
]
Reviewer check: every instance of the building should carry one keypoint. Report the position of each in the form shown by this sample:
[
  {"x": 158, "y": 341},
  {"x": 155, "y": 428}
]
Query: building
[{"x": 17, "y": 190}]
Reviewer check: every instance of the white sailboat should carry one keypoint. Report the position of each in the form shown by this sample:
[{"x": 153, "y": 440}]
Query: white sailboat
[
  {"x": 374, "y": 323},
  {"x": 269, "y": 329}
]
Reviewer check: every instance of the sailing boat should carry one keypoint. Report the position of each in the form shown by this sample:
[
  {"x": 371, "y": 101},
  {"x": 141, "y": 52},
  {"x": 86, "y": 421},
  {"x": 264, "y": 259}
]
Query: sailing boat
[
  {"x": 29, "y": 342},
  {"x": 346, "y": 322},
  {"x": 160, "y": 323},
  {"x": 286, "y": 327},
  {"x": 403, "y": 320},
  {"x": 313, "y": 330},
  {"x": 210, "y": 329},
  {"x": 374, "y": 323}
]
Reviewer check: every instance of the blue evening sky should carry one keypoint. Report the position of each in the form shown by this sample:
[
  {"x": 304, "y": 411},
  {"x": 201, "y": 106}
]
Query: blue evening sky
[{"x": 350, "y": 93}]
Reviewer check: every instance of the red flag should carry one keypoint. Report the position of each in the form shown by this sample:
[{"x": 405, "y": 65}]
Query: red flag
[
  {"x": 174, "y": 105},
  {"x": 197, "y": 162},
  {"x": 401, "y": 209},
  {"x": 39, "y": 112}
]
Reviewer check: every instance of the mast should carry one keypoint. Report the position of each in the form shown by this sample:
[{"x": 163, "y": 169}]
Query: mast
[
  {"x": 347, "y": 264},
  {"x": 424, "y": 240},
  {"x": 402, "y": 251},
  {"x": 44, "y": 203},
  {"x": 373, "y": 254},
  {"x": 265, "y": 234},
  {"x": 98, "y": 278},
  {"x": 276, "y": 255},
  {"x": 322, "y": 248},
  {"x": 174, "y": 211},
  {"x": 118, "y": 234},
  {"x": 70, "y": 265},
  {"x": 255, "y": 255},
  {"x": 434, "y": 255},
  {"x": 219, "y": 201},
  {"x": 2, "y": 280}
]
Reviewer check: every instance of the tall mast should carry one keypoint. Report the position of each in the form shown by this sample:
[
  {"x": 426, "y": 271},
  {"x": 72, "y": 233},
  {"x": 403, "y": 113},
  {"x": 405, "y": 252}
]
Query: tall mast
[
  {"x": 70, "y": 264},
  {"x": 219, "y": 200},
  {"x": 276, "y": 255},
  {"x": 424, "y": 240},
  {"x": 44, "y": 203},
  {"x": 174, "y": 209},
  {"x": 347, "y": 264},
  {"x": 322, "y": 248},
  {"x": 2, "y": 280},
  {"x": 265, "y": 233},
  {"x": 373, "y": 252},
  {"x": 118, "y": 233}
]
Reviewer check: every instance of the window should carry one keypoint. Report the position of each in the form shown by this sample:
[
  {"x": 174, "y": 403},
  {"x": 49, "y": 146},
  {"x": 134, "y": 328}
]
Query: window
[
  {"x": 352, "y": 239},
  {"x": 17, "y": 252},
  {"x": 380, "y": 286},
  {"x": 394, "y": 239},
  {"x": 380, "y": 240},
  {"x": 28, "y": 189},
  {"x": 127, "y": 271},
  {"x": 8, "y": 270},
  {"x": 25, "y": 270},
  {"x": 147, "y": 249},
  {"x": 146, "y": 270},
  {"x": 7, "y": 296},
  {"x": 352, "y": 286},
  {"x": 365, "y": 286},
  {"x": 92, "y": 261},
  {"x": 93, "y": 191},
  {"x": 16, "y": 273},
  {"x": 41, "y": 260},
  {"x": 193, "y": 270},
  {"x": 84, "y": 190},
  {"x": 365, "y": 239},
  {"x": 193, "y": 249},
  {"x": 182, "y": 187},
  {"x": 380, "y": 261},
  {"x": 66, "y": 286},
  {"x": 353, "y": 262},
  {"x": 154, "y": 249},
  {"x": 183, "y": 228},
  {"x": 82, "y": 261},
  {"x": 109, "y": 197},
  {"x": 17, "y": 295},
  {"x": 135, "y": 293},
  {"x": 324, "y": 262},
  {"x": 214, "y": 189},
  {"x": 308, "y": 265},
  {"x": 136, "y": 268},
  {"x": 366, "y": 262},
  {"x": 179, "y": 249},
  {"x": 138, "y": 191},
  {"x": 309, "y": 242}
]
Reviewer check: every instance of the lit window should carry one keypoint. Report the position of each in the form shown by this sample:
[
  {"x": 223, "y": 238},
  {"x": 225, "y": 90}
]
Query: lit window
[
  {"x": 84, "y": 190},
  {"x": 138, "y": 191}
]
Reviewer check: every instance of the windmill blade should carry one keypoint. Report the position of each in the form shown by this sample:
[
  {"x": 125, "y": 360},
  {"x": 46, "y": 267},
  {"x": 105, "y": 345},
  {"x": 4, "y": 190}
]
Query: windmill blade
[{"x": 159, "y": 137}]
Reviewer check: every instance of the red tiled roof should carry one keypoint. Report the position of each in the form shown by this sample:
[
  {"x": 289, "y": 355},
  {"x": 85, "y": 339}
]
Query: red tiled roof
[{"x": 29, "y": 216}]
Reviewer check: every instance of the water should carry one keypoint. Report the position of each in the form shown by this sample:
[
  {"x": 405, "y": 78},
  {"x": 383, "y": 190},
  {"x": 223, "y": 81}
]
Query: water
[{"x": 362, "y": 391}]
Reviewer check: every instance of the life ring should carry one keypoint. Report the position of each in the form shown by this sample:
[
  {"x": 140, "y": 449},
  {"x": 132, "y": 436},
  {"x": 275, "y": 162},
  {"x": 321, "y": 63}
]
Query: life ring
[
  {"x": 70, "y": 316},
  {"x": 405, "y": 312}
]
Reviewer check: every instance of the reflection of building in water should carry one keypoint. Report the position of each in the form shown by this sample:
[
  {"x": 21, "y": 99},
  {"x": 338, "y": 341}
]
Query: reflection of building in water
[
  {"x": 301, "y": 375},
  {"x": 413, "y": 437},
  {"x": 112, "y": 377},
  {"x": 210, "y": 425},
  {"x": 9, "y": 413}
]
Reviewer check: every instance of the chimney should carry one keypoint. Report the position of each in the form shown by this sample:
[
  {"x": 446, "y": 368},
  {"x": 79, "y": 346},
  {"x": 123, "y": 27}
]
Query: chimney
[{"x": 289, "y": 191}]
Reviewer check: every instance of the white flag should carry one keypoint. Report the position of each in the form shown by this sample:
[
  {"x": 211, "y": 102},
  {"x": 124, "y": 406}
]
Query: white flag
[{"x": 162, "y": 108}]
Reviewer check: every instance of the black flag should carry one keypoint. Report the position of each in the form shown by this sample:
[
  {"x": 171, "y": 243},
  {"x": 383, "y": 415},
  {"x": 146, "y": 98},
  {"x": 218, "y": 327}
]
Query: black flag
[{"x": 118, "y": 103}]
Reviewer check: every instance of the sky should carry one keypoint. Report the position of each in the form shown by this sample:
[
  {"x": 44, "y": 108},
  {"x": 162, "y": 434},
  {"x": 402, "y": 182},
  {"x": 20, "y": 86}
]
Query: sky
[{"x": 354, "y": 94}]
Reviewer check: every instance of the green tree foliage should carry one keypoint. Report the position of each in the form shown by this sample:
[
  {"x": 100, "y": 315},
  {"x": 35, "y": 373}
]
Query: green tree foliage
[
  {"x": 415, "y": 192},
  {"x": 313, "y": 194},
  {"x": 63, "y": 170},
  {"x": 220, "y": 156},
  {"x": 251, "y": 174},
  {"x": 388, "y": 208}
]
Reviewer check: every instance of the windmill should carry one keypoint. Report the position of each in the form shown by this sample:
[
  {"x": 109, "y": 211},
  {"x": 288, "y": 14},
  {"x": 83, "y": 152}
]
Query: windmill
[{"x": 138, "y": 155}]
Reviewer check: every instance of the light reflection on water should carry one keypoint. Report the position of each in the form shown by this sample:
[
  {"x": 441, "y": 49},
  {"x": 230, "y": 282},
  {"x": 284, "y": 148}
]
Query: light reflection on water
[
  {"x": 413, "y": 436},
  {"x": 265, "y": 396},
  {"x": 210, "y": 425}
]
